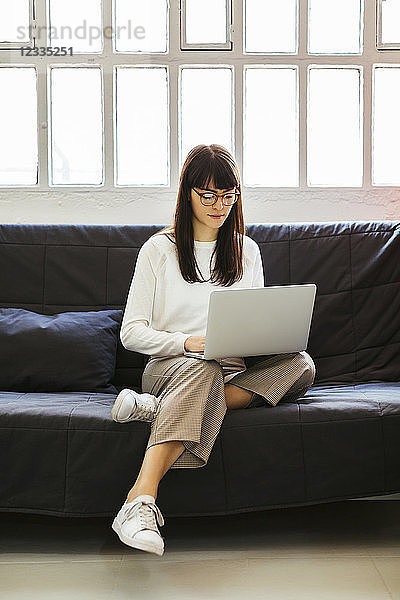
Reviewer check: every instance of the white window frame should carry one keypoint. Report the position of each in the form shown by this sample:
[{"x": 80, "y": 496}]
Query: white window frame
[
  {"x": 138, "y": 52},
  {"x": 287, "y": 65},
  {"x": 377, "y": 66},
  {"x": 360, "y": 36},
  {"x": 67, "y": 66},
  {"x": 14, "y": 45},
  {"x": 18, "y": 186},
  {"x": 360, "y": 70},
  {"x": 260, "y": 53},
  {"x": 48, "y": 40},
  {"x": 176, "y": 57},
  {"x": 206, "y": 66},
  {"x": 157, "y": 186},
  {"x": 207, "y": 46},
  {"x": 379, "y": 44}
]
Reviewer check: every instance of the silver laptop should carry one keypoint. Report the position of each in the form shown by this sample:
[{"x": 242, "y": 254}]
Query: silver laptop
[{"x": 255, "y": 321}]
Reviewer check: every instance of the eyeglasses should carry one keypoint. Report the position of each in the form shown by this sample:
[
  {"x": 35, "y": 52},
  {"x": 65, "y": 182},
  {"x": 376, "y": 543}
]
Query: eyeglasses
[{"x": 210, "y": 198}]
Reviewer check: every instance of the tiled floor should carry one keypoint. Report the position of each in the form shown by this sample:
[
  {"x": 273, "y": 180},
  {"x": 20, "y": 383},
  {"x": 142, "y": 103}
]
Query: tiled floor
[{"x": 336, "y": 551}]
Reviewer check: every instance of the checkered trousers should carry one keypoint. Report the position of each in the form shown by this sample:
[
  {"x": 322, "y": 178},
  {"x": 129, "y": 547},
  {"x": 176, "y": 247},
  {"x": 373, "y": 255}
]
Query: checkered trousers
[{"x": 192, "y": 396}]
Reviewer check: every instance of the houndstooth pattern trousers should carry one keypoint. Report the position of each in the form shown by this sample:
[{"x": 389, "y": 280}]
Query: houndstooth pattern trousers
[{"x": 192, "y": 396}]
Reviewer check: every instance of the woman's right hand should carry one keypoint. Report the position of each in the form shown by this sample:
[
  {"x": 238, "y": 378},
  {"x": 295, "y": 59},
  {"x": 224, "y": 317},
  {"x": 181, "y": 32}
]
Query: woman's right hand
[{"x": 195, "y": 343}]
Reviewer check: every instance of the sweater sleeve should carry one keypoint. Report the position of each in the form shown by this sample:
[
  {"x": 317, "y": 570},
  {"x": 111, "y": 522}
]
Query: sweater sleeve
[
  {"x": 258, "y": 272},
  {"x": 136, "y": 333}
]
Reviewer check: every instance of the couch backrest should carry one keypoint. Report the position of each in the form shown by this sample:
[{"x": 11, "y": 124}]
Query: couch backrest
[{"x": 355, "y": 332}]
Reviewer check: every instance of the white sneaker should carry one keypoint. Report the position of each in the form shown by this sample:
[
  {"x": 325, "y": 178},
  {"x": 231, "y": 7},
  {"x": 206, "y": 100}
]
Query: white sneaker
[
  {"x": 132, "y": 406},
  {"x": 135, "y": 524}
]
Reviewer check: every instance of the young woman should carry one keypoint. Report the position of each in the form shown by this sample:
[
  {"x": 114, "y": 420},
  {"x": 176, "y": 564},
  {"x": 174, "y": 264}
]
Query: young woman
[{"x": 186, "y": 398}]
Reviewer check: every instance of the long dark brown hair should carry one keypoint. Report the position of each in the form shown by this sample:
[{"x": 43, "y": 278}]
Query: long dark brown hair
[{"x": 202, "y": 164}]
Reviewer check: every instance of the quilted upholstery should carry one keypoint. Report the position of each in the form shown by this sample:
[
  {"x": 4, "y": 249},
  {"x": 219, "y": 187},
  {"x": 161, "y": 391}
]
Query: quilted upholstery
[{"x": 62, "y": 454}]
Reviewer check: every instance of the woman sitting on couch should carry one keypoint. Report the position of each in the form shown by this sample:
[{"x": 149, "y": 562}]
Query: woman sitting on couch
[{"x": 185, "y": 399}]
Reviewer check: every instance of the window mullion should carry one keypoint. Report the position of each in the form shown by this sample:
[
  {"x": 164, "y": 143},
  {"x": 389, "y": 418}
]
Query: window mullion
[
  {"x": 174, "y": 133},
  {"x": 302, "y": 90},
  {"x": 43, "y": 115},
  {"x": 238, "y": 113},
  {"x": 238, "y": 82},
  {"x": 174, "y": 99},
  {"x": 43, "y": 126},
  {"x": 369, "y": 57},
  {"x": 108, "y": 96}
]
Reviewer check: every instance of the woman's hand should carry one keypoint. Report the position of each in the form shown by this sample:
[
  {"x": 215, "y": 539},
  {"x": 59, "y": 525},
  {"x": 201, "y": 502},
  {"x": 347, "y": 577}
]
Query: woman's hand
[{"x": 195, "y": 343}]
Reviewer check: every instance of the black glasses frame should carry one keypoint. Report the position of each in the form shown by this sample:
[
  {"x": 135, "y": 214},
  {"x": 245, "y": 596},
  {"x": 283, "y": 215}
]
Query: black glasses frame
[{"x": 201, "y": 194}]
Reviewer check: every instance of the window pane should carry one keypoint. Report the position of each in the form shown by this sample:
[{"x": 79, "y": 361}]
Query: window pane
[
  {"x": 77, "y": 24},
  {"x": 206, "y": 117},
  {"x": 334, "y": 127},
  {"x": 270, "y": 27},
  {"x": 335, "y": 26},
  {"x": 15, "y": 20},
  {"x": 206, "y": 21},
  {"x": 18, "y": 126},
  {"x": 140, "y": 26},
  {"x": 391, "y": 21},
  {"x": 270, "y": 127},
  {"x": 386, "y": 126},
  {"x": 141, "y": 126},
  {"x": 76, "y": 126}
]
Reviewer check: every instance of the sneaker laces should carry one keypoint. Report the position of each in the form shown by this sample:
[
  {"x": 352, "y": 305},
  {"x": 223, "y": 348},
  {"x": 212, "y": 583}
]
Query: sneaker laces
[
  {"x": 147, "y": 511},
  {"x": 145, "y": 408}
]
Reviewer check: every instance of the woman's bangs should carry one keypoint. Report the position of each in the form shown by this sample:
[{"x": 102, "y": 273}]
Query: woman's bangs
[{"x": 218, "y": 172}]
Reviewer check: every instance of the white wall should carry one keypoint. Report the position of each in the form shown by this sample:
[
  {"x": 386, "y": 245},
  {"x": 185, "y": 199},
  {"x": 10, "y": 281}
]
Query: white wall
[{"x": 125, "y": 207}]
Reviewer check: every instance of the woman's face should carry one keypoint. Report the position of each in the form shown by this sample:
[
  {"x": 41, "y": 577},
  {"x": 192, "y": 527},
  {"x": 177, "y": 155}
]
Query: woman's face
[{"x": 203, "y": 223}]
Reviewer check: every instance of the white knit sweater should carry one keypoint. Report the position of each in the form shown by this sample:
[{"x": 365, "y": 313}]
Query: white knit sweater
[{"x": 163, "y": 310}]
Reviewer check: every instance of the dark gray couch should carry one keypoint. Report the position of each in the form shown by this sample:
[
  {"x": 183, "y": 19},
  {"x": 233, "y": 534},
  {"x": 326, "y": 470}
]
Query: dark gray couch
[{"x": 62, "y": 454}]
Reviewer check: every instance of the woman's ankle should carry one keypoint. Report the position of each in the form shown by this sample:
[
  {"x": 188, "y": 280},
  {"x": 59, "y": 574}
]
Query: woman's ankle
[{"x": 134, "y": 492}]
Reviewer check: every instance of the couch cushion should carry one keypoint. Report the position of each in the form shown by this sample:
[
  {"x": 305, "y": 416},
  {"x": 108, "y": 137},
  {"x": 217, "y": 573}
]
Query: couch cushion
[
  {"x": 336, "y": 442},
  {"x": 355, "y": 330},
  {"x": 66, "y": 352}
]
